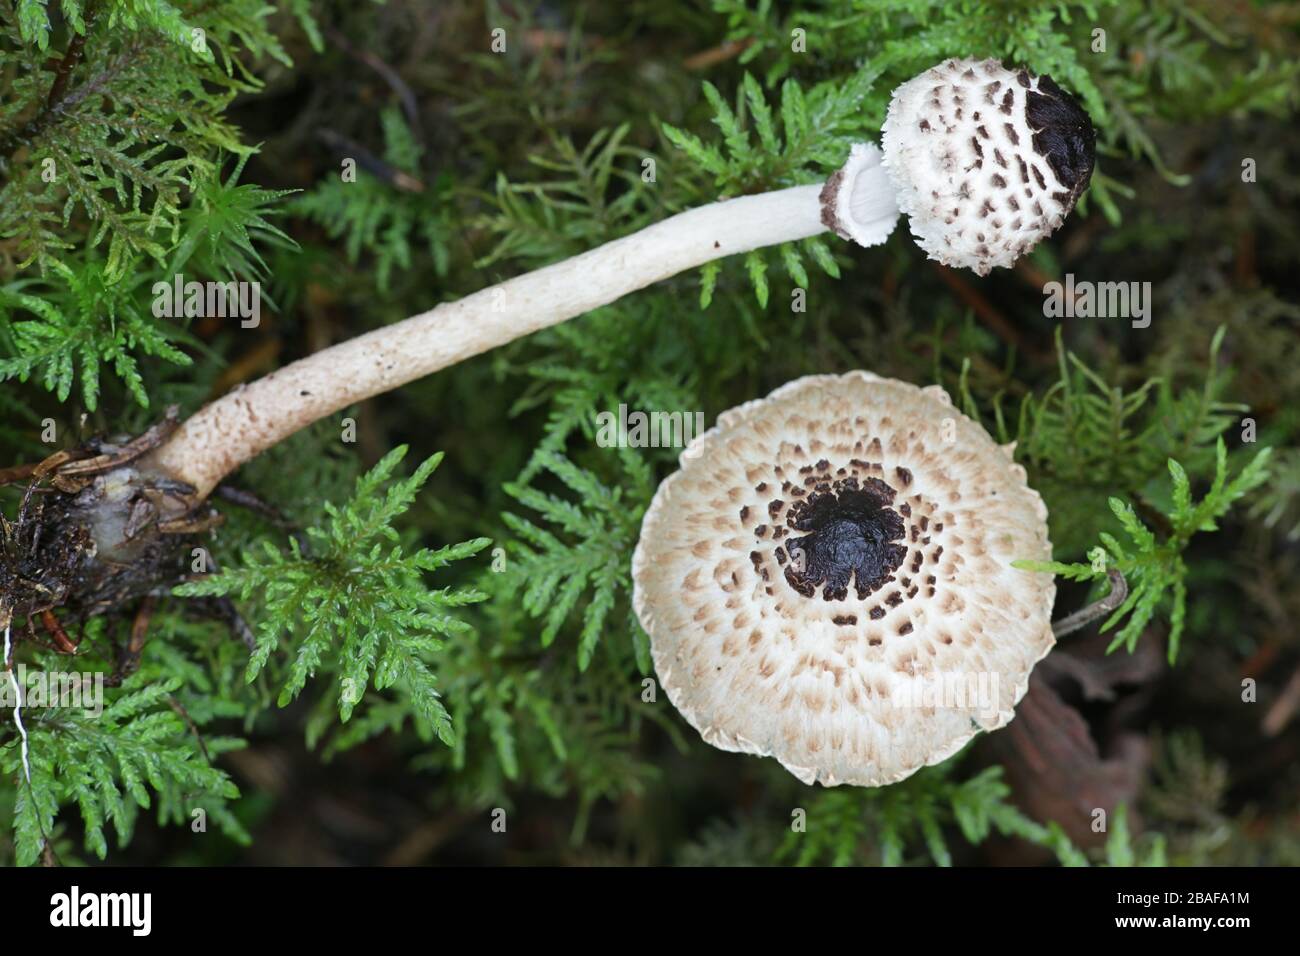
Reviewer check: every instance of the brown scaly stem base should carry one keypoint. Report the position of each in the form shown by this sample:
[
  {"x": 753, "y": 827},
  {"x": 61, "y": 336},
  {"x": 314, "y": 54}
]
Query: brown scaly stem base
[{"x": 95, "y": 531}]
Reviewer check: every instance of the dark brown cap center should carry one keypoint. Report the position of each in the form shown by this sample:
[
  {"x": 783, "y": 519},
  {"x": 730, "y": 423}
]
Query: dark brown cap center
[
  {"x": 852, "y": 534},
  {"x": 1063, "y": 134}
]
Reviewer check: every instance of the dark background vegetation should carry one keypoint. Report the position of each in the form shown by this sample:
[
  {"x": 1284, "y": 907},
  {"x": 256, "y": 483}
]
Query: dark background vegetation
[{"x": 477, "y": 166}]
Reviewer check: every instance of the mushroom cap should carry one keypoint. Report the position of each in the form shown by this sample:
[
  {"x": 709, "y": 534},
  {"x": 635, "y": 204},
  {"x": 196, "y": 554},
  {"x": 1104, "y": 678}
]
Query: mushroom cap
[
  {"x": 986, "y": 161},
  {"x": 827, "y": 580}
]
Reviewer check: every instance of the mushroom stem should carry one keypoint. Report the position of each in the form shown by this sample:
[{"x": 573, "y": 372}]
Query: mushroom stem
[
  {"x": 1089, "y": 613},
  {"x": 250, "y": 419}
]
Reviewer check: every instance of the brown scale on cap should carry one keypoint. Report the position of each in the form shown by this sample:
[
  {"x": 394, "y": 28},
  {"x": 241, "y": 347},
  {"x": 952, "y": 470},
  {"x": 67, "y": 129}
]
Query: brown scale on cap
[{"x": 887, "y": 572}]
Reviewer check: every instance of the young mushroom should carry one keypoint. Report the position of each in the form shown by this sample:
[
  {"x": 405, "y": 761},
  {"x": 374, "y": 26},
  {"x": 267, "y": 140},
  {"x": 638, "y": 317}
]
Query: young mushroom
[
  {"x": 827, "y": 580},
  {"x": 985, "y": 161}
]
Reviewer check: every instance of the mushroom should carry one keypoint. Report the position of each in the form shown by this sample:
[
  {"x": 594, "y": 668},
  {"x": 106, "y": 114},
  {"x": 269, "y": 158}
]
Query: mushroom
[
  {"x": 827, "y": 580},
  {"x": 1039, "y": 147},
  {"x": 986, "y": 161}
]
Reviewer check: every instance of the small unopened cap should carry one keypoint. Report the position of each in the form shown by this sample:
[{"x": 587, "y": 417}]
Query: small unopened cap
[{"x": 986, "y": 161}]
